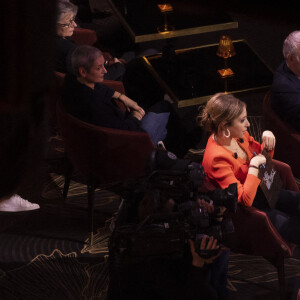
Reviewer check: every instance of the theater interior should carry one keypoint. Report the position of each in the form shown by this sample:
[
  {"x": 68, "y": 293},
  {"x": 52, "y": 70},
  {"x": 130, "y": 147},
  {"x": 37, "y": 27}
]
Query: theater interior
[{"x": 49, "y": 253}]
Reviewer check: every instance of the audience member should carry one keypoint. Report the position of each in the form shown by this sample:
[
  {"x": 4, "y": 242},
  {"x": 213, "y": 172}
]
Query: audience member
[
  {"x": 230, "y": 157},
  {"x": 65, "y": 46},
  {"x": 200, "y": 274},
  {"x": 285, "y": 91},
  {"x": 85, "y": 97}
]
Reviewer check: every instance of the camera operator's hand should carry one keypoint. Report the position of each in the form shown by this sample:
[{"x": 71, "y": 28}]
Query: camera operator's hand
[
  {"x": 209, "y": 207},
  {"x": 212, "y": 244}
]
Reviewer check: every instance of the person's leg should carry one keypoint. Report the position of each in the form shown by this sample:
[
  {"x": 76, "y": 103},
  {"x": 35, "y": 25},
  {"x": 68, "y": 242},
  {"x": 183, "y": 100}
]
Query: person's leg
[
  {"x": 287, "y": 226},
  {"x": 289, "y": 202},
  {"x": 175, "y": 140},
  {"x": 156, "y": 126},
  {"x": 165, "y": 125},
  {"x": 156, "y": 120},
  {"x": 219, "y": 270}
]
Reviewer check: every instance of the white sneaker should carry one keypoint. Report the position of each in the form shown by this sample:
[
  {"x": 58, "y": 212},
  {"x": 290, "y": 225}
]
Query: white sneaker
[{"x": 16, "y": 203}]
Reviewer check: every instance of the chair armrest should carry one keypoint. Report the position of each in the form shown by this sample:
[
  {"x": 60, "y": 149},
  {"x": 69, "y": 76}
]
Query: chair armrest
[
  {"x": 256, "y": 234},
  {"x": 119, "y": 87},
  {"x": 286, "y": 176}
]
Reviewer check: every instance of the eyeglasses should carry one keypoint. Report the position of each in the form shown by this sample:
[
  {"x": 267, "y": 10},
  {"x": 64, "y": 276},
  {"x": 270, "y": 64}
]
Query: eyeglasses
[{"x": 67, "y": 25}]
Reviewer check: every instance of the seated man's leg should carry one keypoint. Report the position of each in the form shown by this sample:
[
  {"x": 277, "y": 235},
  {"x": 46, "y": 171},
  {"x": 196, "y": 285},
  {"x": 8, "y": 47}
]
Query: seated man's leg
[
  {"x": 156, "y": 120},
  {"x": 175, "y": 141},
  {"x": 287, "y": 226},
  {"x": 289, "y": 203},
  {"x": 218, "y": 274}
]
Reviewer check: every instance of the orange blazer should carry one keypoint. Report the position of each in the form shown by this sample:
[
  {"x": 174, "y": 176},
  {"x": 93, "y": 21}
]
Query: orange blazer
[{"x": 223, "y": 168}]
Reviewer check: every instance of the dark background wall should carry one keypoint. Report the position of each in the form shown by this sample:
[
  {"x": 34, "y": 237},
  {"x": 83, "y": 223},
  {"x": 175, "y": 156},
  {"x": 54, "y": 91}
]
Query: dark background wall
[{"x": 27, "y": 35}]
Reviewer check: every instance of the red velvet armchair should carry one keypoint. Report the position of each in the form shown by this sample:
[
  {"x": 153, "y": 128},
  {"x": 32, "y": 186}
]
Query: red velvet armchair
[
  {"x": 256, "y": 235},
  {"x": 84, "y": 36}
]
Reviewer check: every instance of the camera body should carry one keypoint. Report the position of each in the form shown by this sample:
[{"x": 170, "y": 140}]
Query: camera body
[{"x": 164, "y": 234}]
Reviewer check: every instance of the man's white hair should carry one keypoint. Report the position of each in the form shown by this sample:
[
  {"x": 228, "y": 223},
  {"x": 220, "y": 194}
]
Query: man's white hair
[{"x": 291, "y": 44}]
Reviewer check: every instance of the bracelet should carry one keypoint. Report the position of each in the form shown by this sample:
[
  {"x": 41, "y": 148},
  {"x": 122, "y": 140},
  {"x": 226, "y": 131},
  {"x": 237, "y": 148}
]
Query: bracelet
[{"x": 252, "y": 166}]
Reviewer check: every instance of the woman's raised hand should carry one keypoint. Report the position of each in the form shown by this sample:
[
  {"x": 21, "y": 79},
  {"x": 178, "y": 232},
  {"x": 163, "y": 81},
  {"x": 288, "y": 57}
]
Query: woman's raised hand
[{"x": 269, "y": 140}]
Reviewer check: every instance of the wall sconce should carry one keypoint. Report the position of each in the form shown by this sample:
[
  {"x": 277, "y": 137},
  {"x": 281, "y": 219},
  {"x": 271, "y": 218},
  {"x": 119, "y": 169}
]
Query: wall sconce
[{"x": 225, "y": 50}]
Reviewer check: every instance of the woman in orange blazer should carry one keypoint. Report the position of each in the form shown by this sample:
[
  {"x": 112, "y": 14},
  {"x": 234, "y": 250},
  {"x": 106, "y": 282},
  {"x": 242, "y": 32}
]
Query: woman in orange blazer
[{"x": 233, "y": 156}]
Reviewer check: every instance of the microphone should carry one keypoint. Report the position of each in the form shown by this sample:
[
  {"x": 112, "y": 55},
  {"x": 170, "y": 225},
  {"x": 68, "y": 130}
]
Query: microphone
[
  {"x": 235, "y": 155},
  {"x": 241, "y": 140}
]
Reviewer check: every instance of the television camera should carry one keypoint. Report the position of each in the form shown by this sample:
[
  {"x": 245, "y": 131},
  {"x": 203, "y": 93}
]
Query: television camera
[{"x": 163, "y": 232}]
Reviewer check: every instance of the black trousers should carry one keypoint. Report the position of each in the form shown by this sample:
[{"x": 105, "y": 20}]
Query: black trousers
[{"x": 286, "y": 215}]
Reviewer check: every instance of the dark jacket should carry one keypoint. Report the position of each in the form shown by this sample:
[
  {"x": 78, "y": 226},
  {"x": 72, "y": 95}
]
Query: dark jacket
[
  {"x": 96, "y": 106},
  {"x": 285, "y": 96},
  {"x": 64, "y": 50}
]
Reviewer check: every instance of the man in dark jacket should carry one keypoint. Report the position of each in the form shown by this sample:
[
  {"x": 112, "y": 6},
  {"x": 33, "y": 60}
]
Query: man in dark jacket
[{"x": 285, "y": 91}]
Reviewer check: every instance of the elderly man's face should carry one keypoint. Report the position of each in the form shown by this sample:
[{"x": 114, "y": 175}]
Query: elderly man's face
[{"x": 293, "y": 62}]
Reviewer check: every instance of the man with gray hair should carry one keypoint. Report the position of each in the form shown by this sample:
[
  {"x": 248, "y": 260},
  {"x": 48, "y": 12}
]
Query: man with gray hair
[{"x": 285, "y": 91}]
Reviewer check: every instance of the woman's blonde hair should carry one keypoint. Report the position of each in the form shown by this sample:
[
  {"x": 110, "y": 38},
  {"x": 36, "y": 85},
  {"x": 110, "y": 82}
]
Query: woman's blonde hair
[{"x": 221, "y": 108}]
